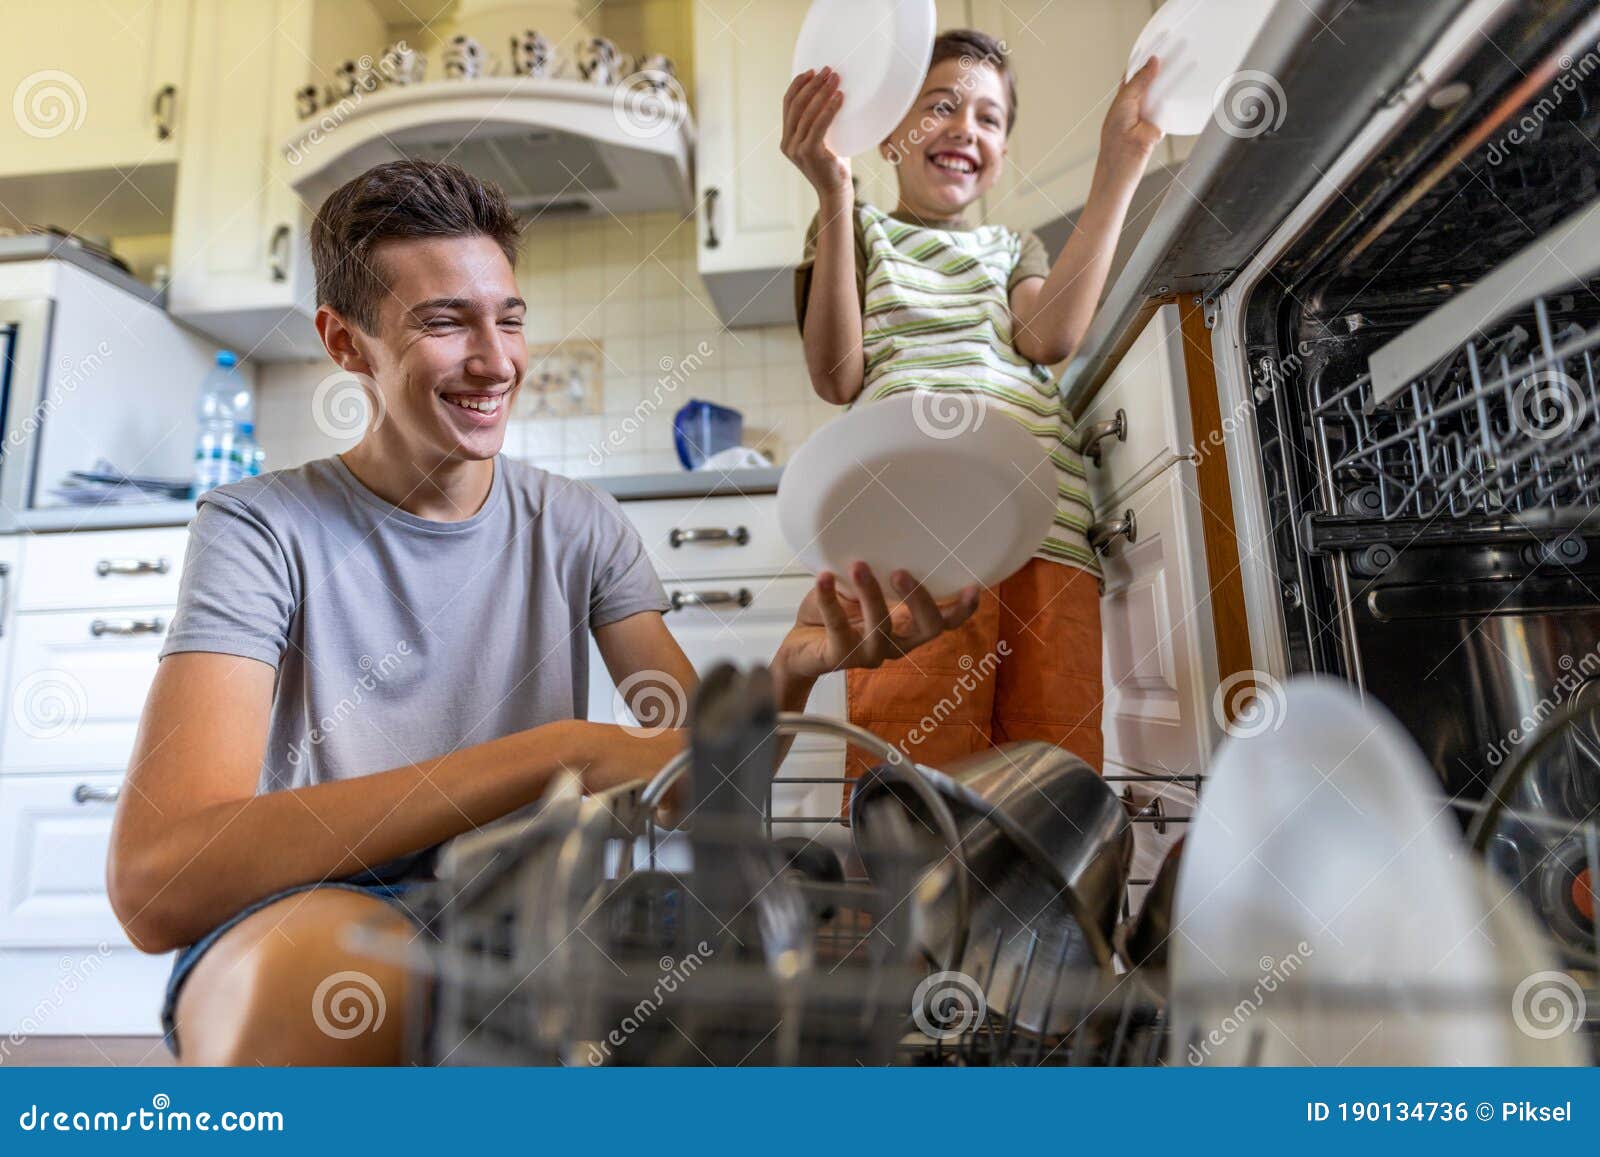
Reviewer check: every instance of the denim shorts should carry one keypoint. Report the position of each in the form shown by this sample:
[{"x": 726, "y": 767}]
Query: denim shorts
[{"x": 188, "y": 957}]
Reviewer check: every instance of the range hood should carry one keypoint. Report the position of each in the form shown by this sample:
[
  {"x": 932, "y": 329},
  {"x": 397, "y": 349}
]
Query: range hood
[{"x": 565, "y": 146}]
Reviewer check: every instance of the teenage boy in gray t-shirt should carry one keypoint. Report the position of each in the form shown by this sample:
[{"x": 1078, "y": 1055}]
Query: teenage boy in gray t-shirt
[{"x": 378, "y": 651}]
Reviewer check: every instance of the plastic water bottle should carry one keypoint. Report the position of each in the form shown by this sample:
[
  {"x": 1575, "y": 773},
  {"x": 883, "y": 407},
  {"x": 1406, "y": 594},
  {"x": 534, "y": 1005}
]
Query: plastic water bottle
[{"x": 226, "y": 413}]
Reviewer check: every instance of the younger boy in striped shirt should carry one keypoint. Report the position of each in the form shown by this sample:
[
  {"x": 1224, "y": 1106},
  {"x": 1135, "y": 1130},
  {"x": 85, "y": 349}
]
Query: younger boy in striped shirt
[{"x": 920, "y": 299}]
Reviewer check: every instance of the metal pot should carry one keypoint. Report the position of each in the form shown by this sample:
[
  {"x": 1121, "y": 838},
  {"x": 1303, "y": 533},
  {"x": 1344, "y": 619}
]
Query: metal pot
[{"x": 1048, "y": 845}]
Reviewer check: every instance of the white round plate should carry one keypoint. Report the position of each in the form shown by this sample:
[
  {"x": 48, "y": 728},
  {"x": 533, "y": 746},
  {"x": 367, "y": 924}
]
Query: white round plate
[
  {"x": 937, "y": 484},
  {"x": 881, "y": 50},
  {"x": 1319, "y": 860},
  {"x": 1201, "y": 44}
]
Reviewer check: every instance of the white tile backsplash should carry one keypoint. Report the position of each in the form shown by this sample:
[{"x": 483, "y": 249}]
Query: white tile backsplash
[{"x": 630, "y": 283}]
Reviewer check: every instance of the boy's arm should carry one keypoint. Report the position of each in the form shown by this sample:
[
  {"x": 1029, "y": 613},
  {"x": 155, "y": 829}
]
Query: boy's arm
[
  {"x": 832, "y": 327},
  {"x": 1051, "y": 315},
  {"x": 192, "y": 843}
]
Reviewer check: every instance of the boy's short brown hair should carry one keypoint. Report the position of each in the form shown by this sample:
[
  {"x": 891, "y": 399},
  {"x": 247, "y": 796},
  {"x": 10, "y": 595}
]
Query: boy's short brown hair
[
  {"x": 395, "y": 201},
  {"x": 970, "y": 46}
]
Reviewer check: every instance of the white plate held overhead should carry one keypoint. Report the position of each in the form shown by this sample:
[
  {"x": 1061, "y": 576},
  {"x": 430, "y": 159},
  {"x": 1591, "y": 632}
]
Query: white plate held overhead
[
  {"x": 881, "y": 50},
  {"x": 1201, "y": 44},
  {"x": 934, "y": 483}
]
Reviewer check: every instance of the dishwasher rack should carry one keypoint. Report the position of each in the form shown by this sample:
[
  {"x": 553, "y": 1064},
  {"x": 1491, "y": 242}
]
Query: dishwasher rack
[
  {"x": 1506, "y": 428},
  {"x": 582, "y": 934}
]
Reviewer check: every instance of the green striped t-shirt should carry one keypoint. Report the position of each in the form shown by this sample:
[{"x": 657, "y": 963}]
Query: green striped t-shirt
[{"x": 936, "y": 304}]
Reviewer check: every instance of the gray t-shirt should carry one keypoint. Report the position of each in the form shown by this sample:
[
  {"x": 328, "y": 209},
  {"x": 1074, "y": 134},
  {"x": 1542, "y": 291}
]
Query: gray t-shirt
[{"x": 397, "y": 639}]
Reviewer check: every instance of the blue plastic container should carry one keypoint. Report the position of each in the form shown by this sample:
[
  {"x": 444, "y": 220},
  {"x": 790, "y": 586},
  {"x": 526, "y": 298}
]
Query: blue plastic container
[{"x": 701, "y": 429}]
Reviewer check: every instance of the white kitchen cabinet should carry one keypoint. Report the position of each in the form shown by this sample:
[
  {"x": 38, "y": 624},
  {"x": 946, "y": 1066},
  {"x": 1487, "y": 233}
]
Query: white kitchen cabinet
[
  {"x": 85, "y": 80},
  {"x": 1146, "y": 397},
  {"x": 1160, "y": 665},
  {"x": 241, "y": 265},
  {"x": 692, "y": 538},
  {"x": 1068, "y": 57},
  {"x": 102, "y": 570},
  {"x": 77, "y": 686},
  {"x": 754, "y": 205},
  {"x": 55, "y": 831}
]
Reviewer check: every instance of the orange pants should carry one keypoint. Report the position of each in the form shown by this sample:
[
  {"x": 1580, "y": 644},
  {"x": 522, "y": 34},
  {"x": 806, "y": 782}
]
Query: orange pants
[{"x": 1025, "y": 666}]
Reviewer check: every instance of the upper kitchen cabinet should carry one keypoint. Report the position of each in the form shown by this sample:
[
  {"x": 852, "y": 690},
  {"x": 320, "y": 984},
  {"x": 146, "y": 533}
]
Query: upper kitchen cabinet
[
  {"x": 97, "y": 97},
  {"x": 241, "y": 265},
  {"x": 754, "y": 205},
  {"x": 1068, "y": 57}
]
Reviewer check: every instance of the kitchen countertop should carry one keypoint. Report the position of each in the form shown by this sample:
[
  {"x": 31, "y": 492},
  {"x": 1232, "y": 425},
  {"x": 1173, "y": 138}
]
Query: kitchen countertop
[{"x": 623, "y": 487}]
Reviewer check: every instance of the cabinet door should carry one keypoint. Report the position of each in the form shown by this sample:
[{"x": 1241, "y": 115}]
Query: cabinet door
[
  {"x": 54, "y": 832},
  {"x": 241, "y": 264},
  {"x": 1068, "y": 57},
  {"x": 1149, "y": 389},
  {"x": 82, "y": 77},
  {"x": 755, "y": 206},
  {"x": 1159, "y": 652},
  {"x": 77, "y": 686}
]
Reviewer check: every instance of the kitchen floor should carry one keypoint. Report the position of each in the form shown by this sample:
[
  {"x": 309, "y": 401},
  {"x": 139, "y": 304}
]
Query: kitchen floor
[{"x": 83, "y": 1051}]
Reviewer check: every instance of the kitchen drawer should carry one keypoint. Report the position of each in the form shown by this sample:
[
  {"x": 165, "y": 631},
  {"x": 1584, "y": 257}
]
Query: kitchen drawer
[
  {"x": 727, "y": 535},
  {"x": 78, "y": 682},
  {"x": 1150, "y": 389},
  {"x": 54, "y": 832},
  {"x": 92, "y": 991},
  {"x": 112, "y": 568},
  {"x": 713, "y": 632}
]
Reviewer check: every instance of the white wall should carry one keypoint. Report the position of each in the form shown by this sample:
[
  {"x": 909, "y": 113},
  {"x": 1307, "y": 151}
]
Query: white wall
[{"x": 631, "y": 284}]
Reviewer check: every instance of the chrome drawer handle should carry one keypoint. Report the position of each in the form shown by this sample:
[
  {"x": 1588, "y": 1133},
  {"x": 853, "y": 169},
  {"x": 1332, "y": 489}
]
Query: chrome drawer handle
[
  {"x": 152, "y": 626},
  {"x": 83, "y": 793},
  {"x": 681, "y": 599},
  {"x": 1115, "y": 426},
  {"x": 739, "y": 535},
  {"x": 1106, "y": 532},
  {"x": 109, "y": 566}
]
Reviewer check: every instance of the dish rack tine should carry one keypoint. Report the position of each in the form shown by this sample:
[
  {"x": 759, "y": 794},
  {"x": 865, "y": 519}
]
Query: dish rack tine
[
  {"x": 1120, "y": 1038},
  {"x": 1019, "y": 986}
]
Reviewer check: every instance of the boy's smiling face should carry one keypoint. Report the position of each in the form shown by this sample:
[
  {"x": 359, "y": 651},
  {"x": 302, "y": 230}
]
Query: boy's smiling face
[{"x": 951, "y": 146}]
